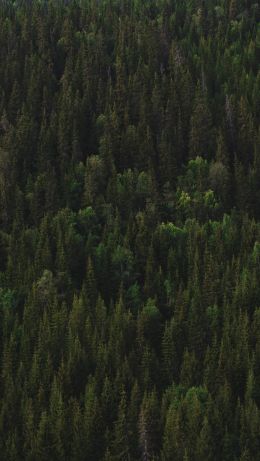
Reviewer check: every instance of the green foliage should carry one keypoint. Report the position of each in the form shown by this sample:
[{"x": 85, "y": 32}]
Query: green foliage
[
  {"x": 129, "y": 240},
  {"x": 7, "y": 299}
]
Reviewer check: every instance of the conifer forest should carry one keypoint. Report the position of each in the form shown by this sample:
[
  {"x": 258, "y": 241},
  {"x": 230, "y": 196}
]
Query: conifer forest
[{"x": 129, "y": 230}]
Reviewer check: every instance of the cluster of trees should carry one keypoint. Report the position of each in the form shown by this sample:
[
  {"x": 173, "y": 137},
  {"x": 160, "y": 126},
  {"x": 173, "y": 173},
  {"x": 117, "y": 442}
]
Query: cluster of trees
[{"x": 129, "y": 230}]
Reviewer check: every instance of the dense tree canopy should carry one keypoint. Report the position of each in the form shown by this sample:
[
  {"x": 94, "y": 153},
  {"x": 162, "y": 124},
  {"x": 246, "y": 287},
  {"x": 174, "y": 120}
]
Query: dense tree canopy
[{"x": 129, "y": 230}]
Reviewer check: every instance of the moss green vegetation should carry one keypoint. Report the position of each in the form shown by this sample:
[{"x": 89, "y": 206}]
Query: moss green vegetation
[{"x": 129, "y": 230}]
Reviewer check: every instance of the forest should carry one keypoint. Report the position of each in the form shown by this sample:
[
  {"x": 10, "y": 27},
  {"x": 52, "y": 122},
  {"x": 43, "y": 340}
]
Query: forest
[{"x": 129, "y": 230}]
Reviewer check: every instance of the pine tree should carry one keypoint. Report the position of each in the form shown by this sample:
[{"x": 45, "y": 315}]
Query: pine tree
[
  {"x": 200, "y": 142},
  {"x": 121, "y": 447}
]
